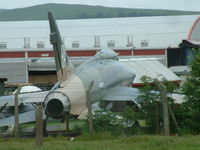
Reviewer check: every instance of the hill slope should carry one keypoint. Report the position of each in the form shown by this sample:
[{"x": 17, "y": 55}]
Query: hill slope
[{"x": 66, "y": 11}]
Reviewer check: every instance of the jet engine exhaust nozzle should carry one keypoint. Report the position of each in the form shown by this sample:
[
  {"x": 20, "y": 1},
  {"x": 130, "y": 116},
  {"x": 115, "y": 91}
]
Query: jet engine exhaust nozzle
[{"x": 57, "y": 105}]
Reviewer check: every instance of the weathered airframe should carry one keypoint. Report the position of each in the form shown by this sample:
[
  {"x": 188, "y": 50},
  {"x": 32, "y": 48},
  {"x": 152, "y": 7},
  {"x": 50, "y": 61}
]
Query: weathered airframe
[{"x": 112, "y": 80}]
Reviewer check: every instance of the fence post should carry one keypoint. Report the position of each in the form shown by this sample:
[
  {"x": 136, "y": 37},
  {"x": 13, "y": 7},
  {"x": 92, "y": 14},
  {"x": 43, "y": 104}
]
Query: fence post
[
  {"x": 39, "y": 125},
  {"x": 89, "y": 106},
  {"x": 16, "y": 127},
  {"x": 163, "y": 91}
]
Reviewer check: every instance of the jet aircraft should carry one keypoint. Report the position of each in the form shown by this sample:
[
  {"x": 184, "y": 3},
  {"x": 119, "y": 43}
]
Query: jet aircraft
[{"x": 112, "y": 80}]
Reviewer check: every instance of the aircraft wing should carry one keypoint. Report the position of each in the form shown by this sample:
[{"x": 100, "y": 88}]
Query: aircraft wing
[
  {"x": 23, "y": 98},
  {"x": 121, "y": 93},
  {"x": 23, "y": 118}
]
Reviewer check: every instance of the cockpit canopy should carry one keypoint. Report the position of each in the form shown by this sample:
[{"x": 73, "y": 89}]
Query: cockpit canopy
[{"x": 106, "y": 54}]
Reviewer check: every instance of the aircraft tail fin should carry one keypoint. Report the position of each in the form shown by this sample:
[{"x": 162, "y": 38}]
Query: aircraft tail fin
[{"x": 61, "y": 59}]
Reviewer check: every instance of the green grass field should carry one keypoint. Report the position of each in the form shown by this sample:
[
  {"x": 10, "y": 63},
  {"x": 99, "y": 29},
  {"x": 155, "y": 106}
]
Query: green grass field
[{"x": 105, "y": 142}]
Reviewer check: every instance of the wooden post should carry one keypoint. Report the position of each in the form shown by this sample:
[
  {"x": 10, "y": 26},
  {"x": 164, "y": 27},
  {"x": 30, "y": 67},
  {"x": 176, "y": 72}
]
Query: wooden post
[
  {"x": 157, "y": 120},
  {"x": 163, "y": 90},
  {"x": 173, "y": 117},
  {"x": 89, "y": 106},
  {"x": 2, "y": 85},
  {"x": 16, "y": 127},
  {"x": 45, "y": 127},
  {"x": 39, "y": 125},
  {"x": 67, "y": 123}
]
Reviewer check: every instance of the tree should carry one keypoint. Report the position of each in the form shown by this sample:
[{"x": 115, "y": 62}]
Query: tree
[
  {"x": 191, "y": 88},
  {"x": 151, "y": 109}
]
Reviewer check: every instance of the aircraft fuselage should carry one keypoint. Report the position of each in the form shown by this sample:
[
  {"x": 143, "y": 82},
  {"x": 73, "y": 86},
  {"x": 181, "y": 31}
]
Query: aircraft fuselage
[{"x": 107, "y": 74}]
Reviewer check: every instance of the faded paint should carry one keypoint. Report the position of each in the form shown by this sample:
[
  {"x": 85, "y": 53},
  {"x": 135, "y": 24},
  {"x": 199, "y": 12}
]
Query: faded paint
[
  {"x": 81, "y": 53},
  {"x": 195, "y": 31},
  {"x": 124, "y": 52},
  {"x": 12, "y": 54},
  {"x": 41, "y": 54},
  {"x": 149, "y": 52},
  {"x": 75, "y": 90}
]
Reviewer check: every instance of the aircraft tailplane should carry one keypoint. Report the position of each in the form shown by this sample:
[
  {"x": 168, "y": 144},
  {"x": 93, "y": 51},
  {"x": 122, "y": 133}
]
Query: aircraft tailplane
[{"x": 62, "y": 62}]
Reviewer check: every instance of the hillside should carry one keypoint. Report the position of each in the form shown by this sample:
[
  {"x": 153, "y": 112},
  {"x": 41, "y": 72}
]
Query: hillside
[{"x": 66, "y": 11}]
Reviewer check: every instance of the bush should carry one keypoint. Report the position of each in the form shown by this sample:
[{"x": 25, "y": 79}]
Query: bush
[
  {"x": 151, "y": 109},
  {"x": 191, "y": 88},
  {"x": 106, "y": 121},
  {"x": 116, "y": 124}
]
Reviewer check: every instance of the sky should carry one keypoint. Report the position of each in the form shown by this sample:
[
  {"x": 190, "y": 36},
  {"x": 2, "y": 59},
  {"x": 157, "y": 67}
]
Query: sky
[{"x": 191, "y": 5}]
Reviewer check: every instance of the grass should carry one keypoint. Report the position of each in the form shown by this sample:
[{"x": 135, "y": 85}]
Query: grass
[{"x": 105, "y": 142}]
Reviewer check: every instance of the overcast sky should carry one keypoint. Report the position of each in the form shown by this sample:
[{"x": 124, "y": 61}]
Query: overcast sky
[{"x": 193, "y": 5}]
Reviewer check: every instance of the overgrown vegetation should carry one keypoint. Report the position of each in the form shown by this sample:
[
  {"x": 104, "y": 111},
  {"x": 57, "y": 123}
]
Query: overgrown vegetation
[
  {"x": 191, "y": 88},
  {"x": 64, "y": 11},
  {"x": 151, "y": 110},
  {"x": 123, "y": 123},
  {"x": 147, "y": 118},
  {"x": 187, "y": 114}
]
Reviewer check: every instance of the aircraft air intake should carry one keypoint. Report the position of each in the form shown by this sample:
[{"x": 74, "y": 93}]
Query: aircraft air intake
[{"x": 57, "y": 105}]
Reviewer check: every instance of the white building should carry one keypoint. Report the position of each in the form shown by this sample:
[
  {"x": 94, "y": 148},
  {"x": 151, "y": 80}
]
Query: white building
[{"x": 27, "y": 42}]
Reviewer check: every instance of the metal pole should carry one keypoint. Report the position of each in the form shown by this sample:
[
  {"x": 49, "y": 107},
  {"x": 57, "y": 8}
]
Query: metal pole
[
  {"x": 89, "y": 106},
  {"x": 39, "y": 125},
  {"x": 163, "y": 90},
  {"x": 16, "y": 127}
]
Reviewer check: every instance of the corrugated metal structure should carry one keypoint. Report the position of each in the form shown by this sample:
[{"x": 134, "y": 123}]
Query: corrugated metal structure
[
  {"x": 27, "y": 42},
  {"x": 150, "y": 67},
  {"x": 15, "y": 72},
  {"x": 157, "y": 37},
  {"x": 135, "y": 32}
]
